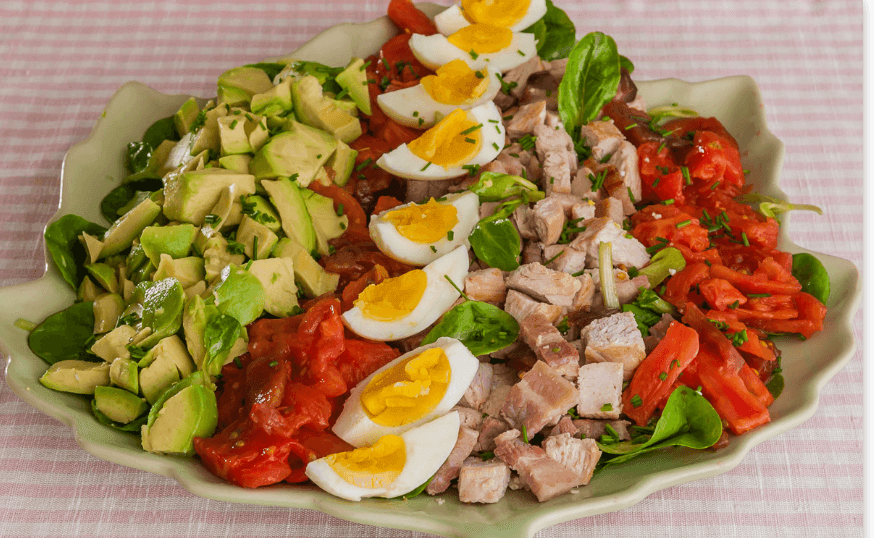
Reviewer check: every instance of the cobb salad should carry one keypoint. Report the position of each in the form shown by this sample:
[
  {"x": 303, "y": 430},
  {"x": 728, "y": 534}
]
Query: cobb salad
[{"x": 552, "y": 279}]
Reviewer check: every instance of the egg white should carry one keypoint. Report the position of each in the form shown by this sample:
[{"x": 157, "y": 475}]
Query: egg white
[
  {"x": 356, "y": 428},
  {"x": 438, "y": 298},
  {"x": 452, "y": 19},
  {"x": 427, "y": 447},
  {"x": 435, "y": 51},
  {"x": 392, "y": 243},
  {"x": 414, "y": 107},
  {"x": 404, "y": 163}
]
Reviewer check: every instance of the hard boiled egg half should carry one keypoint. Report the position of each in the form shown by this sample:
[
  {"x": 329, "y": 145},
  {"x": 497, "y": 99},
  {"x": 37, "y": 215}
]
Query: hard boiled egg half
[
  {"x": 418, "y": 234},
  {"x": 393, "y": 466},
  {"x": 407, "y": 304},
  {"x": 517, "y": 15},
  {"x": 463, "y": 138},
  {"x": 413, "y": 389},
  {"x": 455, "y": 85},
  {"x": 478, "y": 45}
]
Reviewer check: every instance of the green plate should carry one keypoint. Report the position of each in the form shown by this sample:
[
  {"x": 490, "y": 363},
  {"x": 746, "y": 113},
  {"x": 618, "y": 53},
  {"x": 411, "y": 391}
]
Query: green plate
[{"x": 94, "y": 166}]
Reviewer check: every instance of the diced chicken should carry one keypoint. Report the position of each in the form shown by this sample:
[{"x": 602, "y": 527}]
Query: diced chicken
[
  {"x": 541, "y": 396},
  {"x": 536, "y": 330},
  {"x": 479, "y": 389},
  {"x": 531, "y": 169},
  {"x": 556, "y": 68},
  {"x": 542, "y": 87},
  {"x": 516, "y": 483},
  {"x": 552, "y": 140},
  {"x": 520, "y": 306},
  {"x": 544, "y": 284},
  {"x": 526, "y": 118},
  {"x": 593, "y": 429},
  {"x": 519, "y": 75},
  {"x": 627, "y": 251},
  {"x": 532, "y": 252},
  {"x": 609, "y": 207},
  {"x": 567, "y": 201},
  {"x": 523, "y": 218},
  {"x": 504, "y": 101},
  {"x": 579, "y": 455},
  {"x": 548, "y": 217},
  {"x": 470, "y": 418},
  {"x": 615, "y": 339},
  {"x": 486, "y": 285},
  {"x": 511, "y": 163},
  {"x": 584, "y": 178},
  {"x": 564, "y": 258},
  {"x": 584, "y": 210},
  {"x": 625, "y": 161},
  {"x": 491, "y": 428},
  {"x": 449, "y": 470},
  {"x": 603, "y": 137},
  {"x": 550, "y": 346},
  {"x": 585, "y": 297},
  {"x": 556, "y": 172},
  {"x": 627, "y": 290},
  {"x": 487, "y": 209},
  {"x": 565, "y": 425},
  {"x": 483, "y": 481},
  {"x": 657, "y": 332},
  {"x": 600, "y": 390},
  {"x": 544, "y": 476},
  {"x": 420, "y": 191},
  {"x": 503, "y": 378}
]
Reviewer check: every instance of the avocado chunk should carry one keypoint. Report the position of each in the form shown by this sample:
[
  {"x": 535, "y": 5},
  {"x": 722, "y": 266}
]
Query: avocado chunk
[
  {"x": 242, "y": 132},
  {"x": 104, "y": 275},
  {"x": 308, "y": 274},
  {"x": 114, "y": 343},
  {"x": 190, "y": 196},
  {"x": 88, "y": 290},
  {"x": 217, "y": 256},
  {"x": 207, "y": 138},
  {"x": 274, "y": 102},
  {"x": 157, "y": 377},
  {"x": 239, "y": 295},
  {"x": 327, "y": 224},
  {"x": 296, "y": 221},
  {"x": 107, "y": 310},
  {"x": 172, "y": 240},
  {"x": 236, "y": 163},
  {"x": 78, "y": 377},
  {"x": 237, "y": 86},
  {"x": 354, "y": 80},
  {"x": 262, "y": 212},
  {"x": 342, "y": 162},
  {"x": 175, "y": 422},
  {"x": 118, "y": 404},
  {"x": 173, "y": 348},
  {"x": 161, "y": 305},
  {"x": 277, "y": 277},
  {"x": 93, "y": 246},
  {"x": 314, "y": 109},
  {"x": 257, "y": 239},
  {"x": 124, "y": 373},
  {"x": 346, "y": 105},
  {"x": 299, "y": 153},
  {"x": 185, "y": 116},
  {"x": 121, "y": 234},
  {"x": 188, "y": 271}
]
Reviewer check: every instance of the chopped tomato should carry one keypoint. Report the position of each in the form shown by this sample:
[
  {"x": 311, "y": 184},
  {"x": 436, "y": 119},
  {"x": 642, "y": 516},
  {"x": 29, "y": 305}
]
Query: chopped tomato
[
  {"x": 681, "y": 127},
  {"x": 707, "y": 332},
  {"x": 661, "y": 179},
  {"x": 384, "y": 203},
  {"x": 409, "y": 18},
  {"x": 720, "y": 293},
  {"x": 714, "y": 160},
  {"x": 678, "y": 287},
  {"x": 343, "y": 203},
  {"x": 361, "y": 358},
  {"x": 352, "y": 290}
]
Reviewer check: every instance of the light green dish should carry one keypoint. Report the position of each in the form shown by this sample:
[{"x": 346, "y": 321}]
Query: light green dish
[{"x": 94, "y": 166}]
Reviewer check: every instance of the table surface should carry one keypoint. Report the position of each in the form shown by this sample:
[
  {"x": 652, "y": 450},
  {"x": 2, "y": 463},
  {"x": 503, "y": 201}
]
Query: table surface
[{"x": 61, "y": 60}]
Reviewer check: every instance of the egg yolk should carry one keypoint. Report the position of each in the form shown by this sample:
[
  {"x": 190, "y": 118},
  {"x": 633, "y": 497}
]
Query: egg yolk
[
  {"x": 503, "y": 13},
  {"x": 393, "y": 298},
  {"x": 371, "y": 467},
  {"x": 456, "y": 83},
  {"x": 409, "y": 390},
  {"x": 454, "y": 141},
  {"x": 482, "y": 38},
  {"x": 425, "y": 223}
]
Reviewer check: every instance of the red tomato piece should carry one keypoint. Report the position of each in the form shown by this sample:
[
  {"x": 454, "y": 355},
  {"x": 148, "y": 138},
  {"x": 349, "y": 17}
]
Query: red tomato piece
[
  {"x": 714, "y": 160},
  {"x": 361, "y": 358},
  {"x": 678, "y": 286},
  {"x": 384, "y": 203},
  {"x": 708, "y": 333},
  {"x": 661, "y": 179},
  {"x": 720, "y": 293},
  {"x": 409, "y": 18}
]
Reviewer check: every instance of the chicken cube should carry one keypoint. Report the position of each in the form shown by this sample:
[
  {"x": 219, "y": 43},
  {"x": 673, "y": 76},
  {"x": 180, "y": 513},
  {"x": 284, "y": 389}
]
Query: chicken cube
[
  {"x": 579, "y": 455},
  {"x": 450, "y": 468},
  {"x": 526, "y": 118},
  {"x": 549, "y": 219},
  {"x": 603, "y": 137},
  {"x": 480, "y": 388},
  {"x": 600, "y": 390},
  {"x": 486, "y": 285},
  {"x": 544, "y": 284},
  {"x": 541, "y": 396},
  {"x": 615, "y": 339},
  {"x": 483, "y": 481},
  {"x": 627, "y": 251},
  {"x": 520, "y": 306}
]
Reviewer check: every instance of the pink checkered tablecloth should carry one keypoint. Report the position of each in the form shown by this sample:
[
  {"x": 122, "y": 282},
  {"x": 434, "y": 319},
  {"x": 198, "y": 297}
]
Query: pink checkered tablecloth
[{"x": 61, "y": 60}]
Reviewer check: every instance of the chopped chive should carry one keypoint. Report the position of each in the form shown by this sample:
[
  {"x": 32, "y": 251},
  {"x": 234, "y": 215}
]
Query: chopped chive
[
  {"x": 385, "y": 63},
  {"x": 550, "y": 260},
  {"x": 743, "y": 237},
  {"x": 686, "y": 177},
  {"x": 342, "y": 225},
  {"x": 340, "y": 209},
  {"x": 273, "y": 363},
  {"x": 415, "y": 113},
  {"x": 757, "y": 295},
  {"x": 495, "y": 145},
  {"x": 631, "y": 195},
  {"x": 605, "y": 158},
  {"x": 425, "y": 167},
  {"x": 636, "y": 401},
  {"x": 234, "y": 124},
  {"x": 470, "y": 140},
  {"x": 684, "y": 223},
  {"x": 472, "y": 129},
  {"x": 661, "y": 147},
  {"x": 473, "y": 54},
  {"x": 656, "y": 182},
  {"x": 433, "y": 248},
  {"x": 364, "y": 66},
  {"x": 663, "y": 376},
  {"x": 669, "y": 201},
  {"x": 421, "y": 122},
  {"x": 343, "y": 93},
  {"x": 450, "y": 235},
  {"x": 479, "y": 74},
  {"x": 507, "y": 118},
  {"x": 367, "y": 162},
  {"x": 713, "y": 187},
  {"x": 525, "y": 434},
  {"x": 238, "y": 362},
  {"x": 520, "y": 53},
  {"x": 606, "y": 408},
  {"x": 632, "y": 126},
  {"x": 675, "y": 364}
]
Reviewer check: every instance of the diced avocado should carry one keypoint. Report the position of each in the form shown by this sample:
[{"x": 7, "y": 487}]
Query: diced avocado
[
  {"x": 157, "y": 377},
  {"x": 175, "y": 422},
  {"x": 296, "y": 221},
  {"x": 236, "y": 163},
  {"x": 314, "y": 109},
  {"x": 78, "y": 377},
  {"x": 104, "y": 275},
  {"x": 107, "y": 310},
  {"x": 286, "y": 248},
  {"x": 323, "y": 177},
  {"x": 232, "y": 132},
  {"x": 239, "y": 295},
  {"x": 277, "y": 277},
  {"x": 180, "y": 154},
  {"x": 297, "y": 153},
  {"x": 240, "y": 347},
  {"x": 161, "y": 303},
  {"x": 252, "y": 234},
  {"x": 327, "y": 223},
  {"x": 311, "y": 277},
  {"x": 185, "y": 116},
  {"x": 207, "y": 138},
  {"x": 129, "y": 226},
  {"x": 342, "y": 162},
  {"x": 114, "y": 344},
  {"x": 93, "y": 246},
  {"x": 274, "y": 101},
  {"x": 192, "y": 195},
  {"x": 217, "y": 256},
  {"x": 354, "y": 80},
  {"x": 173, "y": 240},
  {"x": 88, "y": 290},
  {"x": 237, "y": 86},
  {"x": 118, "y": 404},
  {"x": 346, "y": 105},
  {"x": 259, "y": 135},
  {"x": 196, "y": 289},
  {"x": 124, "y": 373},
  {"x": 262, "y": 211},
  {"x": 225, "y": 212},
  {"x": 173, "y": 348},
  {"x": 193, "y": 326},
  {"x": 188, "y": 271}
]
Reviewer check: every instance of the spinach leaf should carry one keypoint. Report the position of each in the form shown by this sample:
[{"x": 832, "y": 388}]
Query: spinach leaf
[
  {"x": 482, "y": 327},
  {"x": 687, "y": 420},
  {"x": 163, "y": 129},
  {"x": 495, "y": 239},
  {"x": 161, "y": 308},
  {"x": 416, "y": 492},
  {"x": 590, "y": 81},
  {"x": 133, "y": 427},
  {"x": 121, "y": 195},
  {"x": 326, "y": 75},
  {"x": 812, "y": 275},
  {"x": 626, "y": 63},
  {"x": 272, "y": 69},
  {"x": 219, "y": 335},
  {"x": 775, "y": 385},
  {"x": 555, "y": 33},
  {"x": 644, "y": 317},
  {"x": 493, "y": 187},
  {"x": 64, "y": 335},
  {"x": 139, "y": 154},
  {"x": 68, "y": 254}
]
